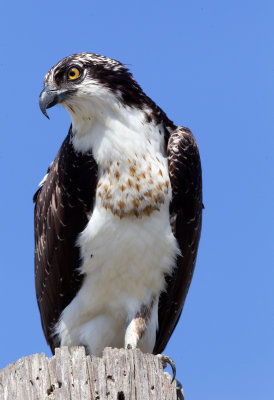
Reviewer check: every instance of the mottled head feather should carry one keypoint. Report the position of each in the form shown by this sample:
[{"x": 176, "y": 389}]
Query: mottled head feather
[
  {"x": 101, "y": 70},
  {"x": 110, "y": 74}
]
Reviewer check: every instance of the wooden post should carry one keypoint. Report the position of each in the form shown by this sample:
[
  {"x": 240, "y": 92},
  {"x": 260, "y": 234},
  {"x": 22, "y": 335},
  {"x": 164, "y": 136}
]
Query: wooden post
[{"x": 72, "y": 375}]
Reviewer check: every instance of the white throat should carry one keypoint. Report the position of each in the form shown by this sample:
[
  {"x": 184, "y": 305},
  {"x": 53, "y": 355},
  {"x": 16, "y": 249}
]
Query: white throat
[{"x": 111, "y": 130}]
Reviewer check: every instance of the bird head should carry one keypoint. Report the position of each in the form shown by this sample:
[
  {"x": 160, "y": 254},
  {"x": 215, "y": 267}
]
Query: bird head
[{"x": 87, "y": 81}]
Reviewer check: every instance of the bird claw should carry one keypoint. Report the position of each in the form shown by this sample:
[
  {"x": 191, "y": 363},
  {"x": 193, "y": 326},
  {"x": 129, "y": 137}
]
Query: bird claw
[{"x": 167, "y": 360}]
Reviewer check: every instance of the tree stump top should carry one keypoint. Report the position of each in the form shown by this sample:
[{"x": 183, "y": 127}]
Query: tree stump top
[{"x": 71, "y": 374}]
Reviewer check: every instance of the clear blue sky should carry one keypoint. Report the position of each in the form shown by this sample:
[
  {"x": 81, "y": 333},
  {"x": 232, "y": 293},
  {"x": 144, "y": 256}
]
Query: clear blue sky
[{"x": 210, "y": 66}]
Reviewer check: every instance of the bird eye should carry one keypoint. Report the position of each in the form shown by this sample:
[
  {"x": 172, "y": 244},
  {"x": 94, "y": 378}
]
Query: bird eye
[{"x": 73, "y": 73}]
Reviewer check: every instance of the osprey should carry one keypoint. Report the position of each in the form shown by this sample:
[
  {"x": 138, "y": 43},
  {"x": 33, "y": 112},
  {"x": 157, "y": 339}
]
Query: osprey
[{"x": 118, "y": 215}]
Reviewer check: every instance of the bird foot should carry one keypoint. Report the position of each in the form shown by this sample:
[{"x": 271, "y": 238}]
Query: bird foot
[
  {"x": 167, "y": 360},
  {"x": 179, "y": 390}
]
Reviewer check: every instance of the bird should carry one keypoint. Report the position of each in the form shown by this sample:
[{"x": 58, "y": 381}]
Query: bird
[{"x": 117, "y": 218}]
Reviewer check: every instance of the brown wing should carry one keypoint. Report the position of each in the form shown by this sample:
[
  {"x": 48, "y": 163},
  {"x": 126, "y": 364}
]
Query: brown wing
[
  {"x": 61, "y": 209},
  {"x": 186, "y": 218}
]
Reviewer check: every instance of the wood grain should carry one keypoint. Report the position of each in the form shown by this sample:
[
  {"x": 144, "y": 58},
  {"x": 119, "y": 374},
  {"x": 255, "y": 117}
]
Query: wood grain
[{"x": 71, "y": 374}]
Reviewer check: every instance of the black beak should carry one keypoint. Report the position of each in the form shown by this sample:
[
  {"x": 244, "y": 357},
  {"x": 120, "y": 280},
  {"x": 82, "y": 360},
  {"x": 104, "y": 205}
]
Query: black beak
[{"x": 51, "y": 96}]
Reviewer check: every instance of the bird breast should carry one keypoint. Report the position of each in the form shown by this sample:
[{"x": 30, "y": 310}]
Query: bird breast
[{"x": 134, "y": 186}]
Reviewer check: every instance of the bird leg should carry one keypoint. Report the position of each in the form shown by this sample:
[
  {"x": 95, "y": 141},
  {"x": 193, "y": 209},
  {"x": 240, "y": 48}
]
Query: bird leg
[{"x": 136, "y": 328}]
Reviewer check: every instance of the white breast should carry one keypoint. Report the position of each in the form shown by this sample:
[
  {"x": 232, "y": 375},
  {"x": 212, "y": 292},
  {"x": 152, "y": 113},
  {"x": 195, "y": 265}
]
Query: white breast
[
  {"x": 124, "y": 261},
  {"x": 127, "y": 246}
]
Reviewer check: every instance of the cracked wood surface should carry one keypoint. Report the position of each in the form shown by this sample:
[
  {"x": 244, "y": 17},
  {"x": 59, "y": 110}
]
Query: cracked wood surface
[{"x": 71, "y": 374}]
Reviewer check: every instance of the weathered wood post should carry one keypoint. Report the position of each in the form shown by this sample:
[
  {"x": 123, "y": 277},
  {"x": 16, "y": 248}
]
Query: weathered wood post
[{"x": 71, "y": 374}]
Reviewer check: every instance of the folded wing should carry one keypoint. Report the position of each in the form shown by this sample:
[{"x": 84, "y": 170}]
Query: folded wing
[
  {"x": 186, "y": 218},
  {"x": 62, "y": 206}
]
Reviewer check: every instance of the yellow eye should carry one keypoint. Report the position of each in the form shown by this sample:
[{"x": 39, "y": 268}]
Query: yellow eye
[{"x": 73, "y": 73}]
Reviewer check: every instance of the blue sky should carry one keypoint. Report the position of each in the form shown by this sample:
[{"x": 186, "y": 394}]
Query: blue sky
[{"x": 210, "y": 66}]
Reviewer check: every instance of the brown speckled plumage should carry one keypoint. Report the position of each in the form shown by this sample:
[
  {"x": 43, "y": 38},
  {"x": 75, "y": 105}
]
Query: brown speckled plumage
[
  {"x": 61, "y": 213},
  {"x": 65, "y": 203}
]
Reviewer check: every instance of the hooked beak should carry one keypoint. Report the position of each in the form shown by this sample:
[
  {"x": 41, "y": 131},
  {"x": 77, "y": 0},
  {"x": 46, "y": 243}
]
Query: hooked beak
[{"x": 50, "y": 96}]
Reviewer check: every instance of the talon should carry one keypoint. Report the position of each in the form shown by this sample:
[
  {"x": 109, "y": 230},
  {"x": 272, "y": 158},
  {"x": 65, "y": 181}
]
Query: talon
[{"x": 167, "y": 360}]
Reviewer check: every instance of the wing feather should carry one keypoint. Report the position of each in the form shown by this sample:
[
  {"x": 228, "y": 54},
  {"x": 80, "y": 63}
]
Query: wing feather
[
  {"x": 186, "y": 218},
  {"x": 61, "y": 208}
]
